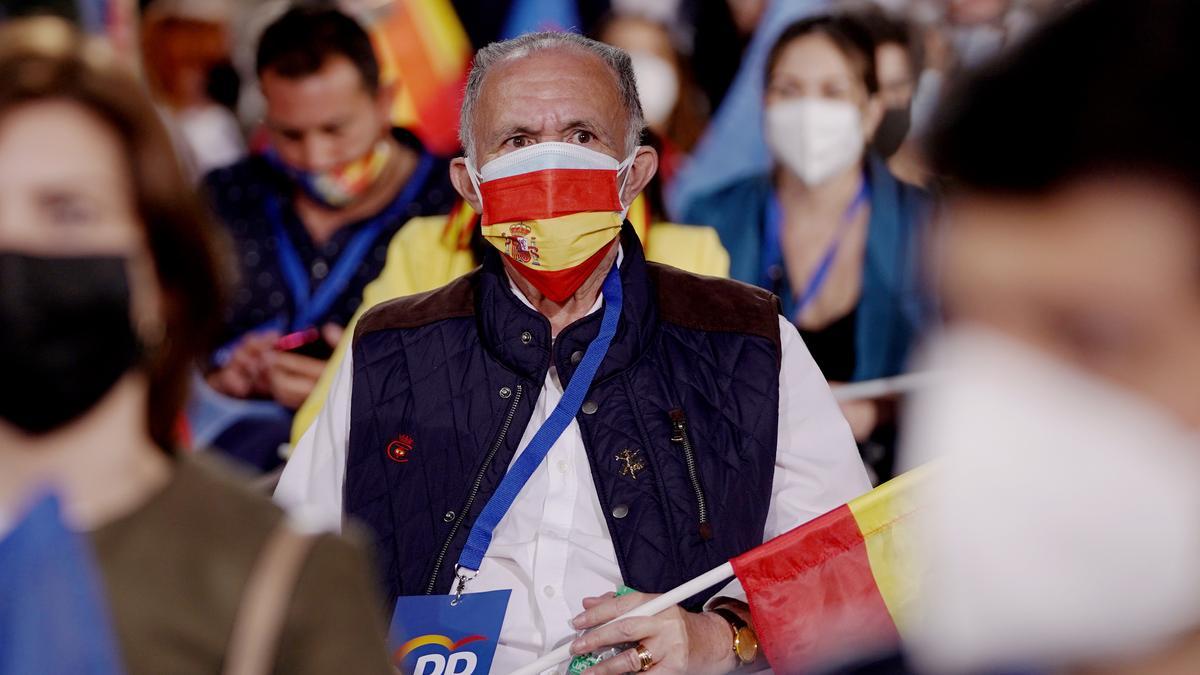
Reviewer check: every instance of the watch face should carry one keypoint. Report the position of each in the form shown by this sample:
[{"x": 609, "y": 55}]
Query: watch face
[{"x": 747, "y": 645}]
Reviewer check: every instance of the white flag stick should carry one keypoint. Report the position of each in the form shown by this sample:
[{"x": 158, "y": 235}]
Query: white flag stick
[
  {"x": 887, "y": 386},
  {"x": 656, "y": 605}
]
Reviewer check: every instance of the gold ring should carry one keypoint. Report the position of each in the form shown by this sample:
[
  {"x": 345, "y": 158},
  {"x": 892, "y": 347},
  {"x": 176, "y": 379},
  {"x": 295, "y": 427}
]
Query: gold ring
[{"x": 645, "y": 657}]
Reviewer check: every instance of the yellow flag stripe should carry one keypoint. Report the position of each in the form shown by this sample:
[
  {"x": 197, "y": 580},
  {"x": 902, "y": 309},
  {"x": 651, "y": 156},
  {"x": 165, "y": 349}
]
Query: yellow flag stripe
[
  {"x": 445, "y": 40},
  {"x": 883, "y": 517},
  {"x": 594, "y": 229}
]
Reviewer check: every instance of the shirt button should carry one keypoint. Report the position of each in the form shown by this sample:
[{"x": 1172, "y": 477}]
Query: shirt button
[
  {"x": 526, "y": 337},
  {"x": 589, "y": 407},
  {"x": 576, "y": 357},
  {"x": 549, "y": 591},
  {"x": 562, "y": 466},
  {"x": 505, "y": 392},
  {"x": 448, "y": 517},
  {"x": 620, "y": 511}
]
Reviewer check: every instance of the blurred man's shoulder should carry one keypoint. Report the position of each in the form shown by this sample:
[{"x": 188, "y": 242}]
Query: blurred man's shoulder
[{"x": 238, "y": 181}]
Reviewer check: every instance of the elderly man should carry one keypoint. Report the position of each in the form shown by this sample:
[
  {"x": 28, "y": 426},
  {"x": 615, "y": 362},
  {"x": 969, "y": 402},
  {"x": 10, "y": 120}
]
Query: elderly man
[{"x": 569, "y": 418}]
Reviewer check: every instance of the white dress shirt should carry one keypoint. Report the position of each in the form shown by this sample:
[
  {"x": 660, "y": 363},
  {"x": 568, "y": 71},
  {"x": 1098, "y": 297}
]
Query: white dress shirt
[{"x": 553, "y": 547}]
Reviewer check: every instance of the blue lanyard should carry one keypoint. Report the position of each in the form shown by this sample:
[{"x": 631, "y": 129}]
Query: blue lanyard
[
  {"x": 539, "y": 446},
  {"x": 311, "y": 308},
  {"x": 773, "y": 266}
]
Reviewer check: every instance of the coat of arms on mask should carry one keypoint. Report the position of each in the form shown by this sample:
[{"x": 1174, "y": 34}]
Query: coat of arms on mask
[{"x": 521, "y": 246}]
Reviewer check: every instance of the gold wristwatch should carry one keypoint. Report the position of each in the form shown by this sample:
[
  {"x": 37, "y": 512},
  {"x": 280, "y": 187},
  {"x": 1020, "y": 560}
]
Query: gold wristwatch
[{"x": 745, "y": 642}]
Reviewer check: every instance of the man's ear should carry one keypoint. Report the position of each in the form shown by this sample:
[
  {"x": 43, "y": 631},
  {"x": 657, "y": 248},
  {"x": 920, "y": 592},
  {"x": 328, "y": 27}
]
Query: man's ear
[
  {"x": 640, "y": 172},
  {"x": 385, "y": 97},
  {"x": 460, "y": 177}
]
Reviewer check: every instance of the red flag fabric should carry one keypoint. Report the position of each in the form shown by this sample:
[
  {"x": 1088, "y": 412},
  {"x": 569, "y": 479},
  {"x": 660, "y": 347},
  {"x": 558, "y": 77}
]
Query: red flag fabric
[{"x": 835, "y": 586}]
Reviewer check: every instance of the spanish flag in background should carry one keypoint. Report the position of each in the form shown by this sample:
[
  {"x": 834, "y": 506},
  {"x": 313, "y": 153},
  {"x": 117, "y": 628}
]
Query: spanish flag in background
[{"x": 424, "y": 51}]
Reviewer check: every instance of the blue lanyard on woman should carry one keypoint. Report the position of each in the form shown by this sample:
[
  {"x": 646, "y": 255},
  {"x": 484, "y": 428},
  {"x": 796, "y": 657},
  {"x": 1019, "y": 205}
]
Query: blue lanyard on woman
[
  {"x": 539, "y": 446},
  {"x": 773, "y": 265},
  {"x": 309, "y": 308}
]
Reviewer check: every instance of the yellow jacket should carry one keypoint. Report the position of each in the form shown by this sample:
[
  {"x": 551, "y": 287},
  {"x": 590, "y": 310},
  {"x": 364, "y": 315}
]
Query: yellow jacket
[{"x": 432, "y": 251}]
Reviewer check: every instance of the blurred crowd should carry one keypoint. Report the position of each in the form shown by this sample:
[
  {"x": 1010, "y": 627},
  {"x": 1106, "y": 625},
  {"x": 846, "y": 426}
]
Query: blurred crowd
[
  {"x": 712, "y": 76},
  {"x": 979, "y": 216}
]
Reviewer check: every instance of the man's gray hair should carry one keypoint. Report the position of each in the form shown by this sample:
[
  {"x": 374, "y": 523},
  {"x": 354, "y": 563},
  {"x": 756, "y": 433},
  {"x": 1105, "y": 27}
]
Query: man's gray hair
[{"x": 527, "y": 44}]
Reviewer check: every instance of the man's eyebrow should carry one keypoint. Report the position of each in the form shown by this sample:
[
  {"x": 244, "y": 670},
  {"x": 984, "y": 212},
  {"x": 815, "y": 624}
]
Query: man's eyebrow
[
  {"x": 585, "y": 125},
  {"x": 514, "y": 130}
]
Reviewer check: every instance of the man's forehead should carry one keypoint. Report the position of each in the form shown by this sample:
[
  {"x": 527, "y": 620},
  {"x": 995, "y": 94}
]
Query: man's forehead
[{"x": 552, "y": 85}]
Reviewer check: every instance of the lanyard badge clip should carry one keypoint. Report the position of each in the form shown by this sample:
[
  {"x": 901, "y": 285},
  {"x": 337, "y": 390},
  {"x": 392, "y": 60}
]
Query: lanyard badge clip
[{"x": 461, "y": 576}]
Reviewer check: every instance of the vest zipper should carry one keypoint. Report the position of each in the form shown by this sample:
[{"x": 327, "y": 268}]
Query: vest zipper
[
  {"x": 462, "y": 514},
  {"x": 680, "y": 435}
]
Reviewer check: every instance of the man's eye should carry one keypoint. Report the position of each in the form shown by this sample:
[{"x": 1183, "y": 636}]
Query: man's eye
[
  {"x": 518, "y": 141},
  {"x": 584, "y": 137}
]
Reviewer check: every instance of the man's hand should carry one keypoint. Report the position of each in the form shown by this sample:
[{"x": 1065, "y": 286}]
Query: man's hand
[
  {"x": 293, "y": 377},
  {"x": 245, "y": 374},
  {"x": 679, "y": 641}
]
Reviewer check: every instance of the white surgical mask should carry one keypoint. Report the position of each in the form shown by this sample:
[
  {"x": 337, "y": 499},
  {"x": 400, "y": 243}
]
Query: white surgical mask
[
  {"x": 1062, "y": 522},
  {"x": 815, "y": 137},
  {"x": 658, "y": 86},
  {"x": 551, "y": 155}
]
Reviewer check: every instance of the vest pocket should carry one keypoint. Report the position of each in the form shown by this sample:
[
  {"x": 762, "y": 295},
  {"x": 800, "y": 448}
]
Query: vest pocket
[{"x": 679, "y": 435}]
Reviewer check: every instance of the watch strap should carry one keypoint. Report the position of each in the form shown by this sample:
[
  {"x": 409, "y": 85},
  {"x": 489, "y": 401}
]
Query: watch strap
[{"x": 730, "y": 616}]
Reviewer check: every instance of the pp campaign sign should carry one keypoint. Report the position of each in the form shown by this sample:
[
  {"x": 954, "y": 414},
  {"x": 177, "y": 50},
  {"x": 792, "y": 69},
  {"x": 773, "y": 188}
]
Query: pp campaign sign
[{"x": 429, "y": 636}]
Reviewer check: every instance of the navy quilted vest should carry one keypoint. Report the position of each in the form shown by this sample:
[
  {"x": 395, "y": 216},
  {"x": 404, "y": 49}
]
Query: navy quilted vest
[{"x": 445, "y": 383}]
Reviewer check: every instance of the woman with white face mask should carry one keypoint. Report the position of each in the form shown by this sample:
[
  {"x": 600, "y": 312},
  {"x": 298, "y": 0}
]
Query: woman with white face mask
[
  {"x": 676, "y": 110},
  {"x": 829, "y": 230}
]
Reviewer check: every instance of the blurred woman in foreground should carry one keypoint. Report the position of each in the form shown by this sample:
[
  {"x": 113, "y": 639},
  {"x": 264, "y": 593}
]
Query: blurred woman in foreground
[
  {"x": 108, "y": 290},
  {"x": 1061, "y": 526}
]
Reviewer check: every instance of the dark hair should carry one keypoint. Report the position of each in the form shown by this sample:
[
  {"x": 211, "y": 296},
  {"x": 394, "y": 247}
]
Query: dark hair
[
  {"x": 298, "y": 43},
  {"x": 886, "y": 29},
  {"x": 1101, "y": 89},
  {"x": 850, "y": 37},
  {"x": 45, "y": 59}
]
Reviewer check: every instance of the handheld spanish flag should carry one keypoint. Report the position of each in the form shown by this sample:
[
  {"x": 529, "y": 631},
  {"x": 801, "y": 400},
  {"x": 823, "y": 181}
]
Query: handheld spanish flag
[
  {"x": 836, "y": 584},
  {"x": 424, "y": 49}
]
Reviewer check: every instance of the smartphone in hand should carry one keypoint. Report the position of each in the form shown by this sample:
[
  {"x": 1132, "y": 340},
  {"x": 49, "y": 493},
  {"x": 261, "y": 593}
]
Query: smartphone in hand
[{"x": 308, "y": 342}]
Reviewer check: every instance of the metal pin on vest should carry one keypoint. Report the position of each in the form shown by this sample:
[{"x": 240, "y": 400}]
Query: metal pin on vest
[{"x": 461, "y": 576}]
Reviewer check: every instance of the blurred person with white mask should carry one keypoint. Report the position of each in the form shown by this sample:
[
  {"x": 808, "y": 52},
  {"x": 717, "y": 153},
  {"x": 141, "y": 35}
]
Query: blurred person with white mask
[
  {"x": 1062, "y": 524},
  {"x": 829, "y": 229},
  {"x": 675, "y": 108}
]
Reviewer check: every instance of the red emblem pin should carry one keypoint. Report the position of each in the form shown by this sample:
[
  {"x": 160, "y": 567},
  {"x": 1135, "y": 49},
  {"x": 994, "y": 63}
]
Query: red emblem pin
[{"x": 399, "y": 449}]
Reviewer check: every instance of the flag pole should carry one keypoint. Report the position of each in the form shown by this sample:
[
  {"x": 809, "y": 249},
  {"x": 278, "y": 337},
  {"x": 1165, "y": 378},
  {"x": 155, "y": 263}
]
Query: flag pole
[
  {"x": 654, "y": 606},
  {"x": 885, "y": 386}
]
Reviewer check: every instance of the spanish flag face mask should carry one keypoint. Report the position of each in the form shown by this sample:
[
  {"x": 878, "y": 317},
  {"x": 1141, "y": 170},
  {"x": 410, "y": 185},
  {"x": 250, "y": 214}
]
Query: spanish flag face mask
[{"x": 554, "y": 209}]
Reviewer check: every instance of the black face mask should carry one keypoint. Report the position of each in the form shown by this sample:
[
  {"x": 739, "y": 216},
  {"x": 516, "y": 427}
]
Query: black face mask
[
  {"x": 66, "y": 336},
  {"x": 893, "y": 129}
]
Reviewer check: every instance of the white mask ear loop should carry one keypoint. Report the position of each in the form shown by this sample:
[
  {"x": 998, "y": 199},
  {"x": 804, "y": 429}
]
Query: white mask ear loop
[
  {"x": 474, "y": 175},
  {"x": 624, "y": 166}
]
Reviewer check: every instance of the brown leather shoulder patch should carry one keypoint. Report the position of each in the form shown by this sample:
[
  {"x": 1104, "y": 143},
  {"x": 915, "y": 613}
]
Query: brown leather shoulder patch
[
  {"x": 455, "y": 299},
  {"x": 712, "y": 304}
]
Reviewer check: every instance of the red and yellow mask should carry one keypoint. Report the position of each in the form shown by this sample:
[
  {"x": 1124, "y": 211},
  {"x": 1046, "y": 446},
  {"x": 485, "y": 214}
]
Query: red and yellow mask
[{"x": 554, "y": 209}]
